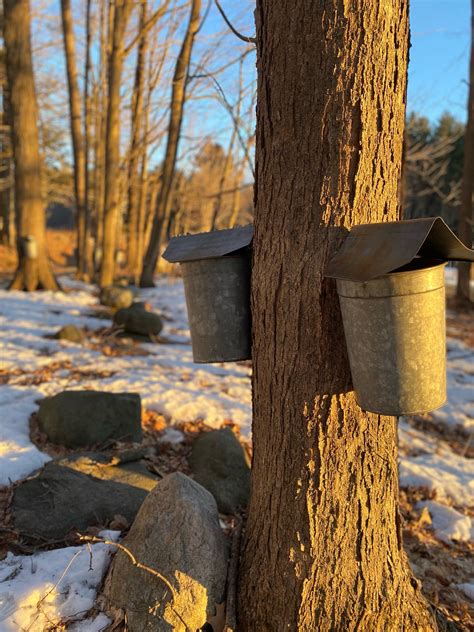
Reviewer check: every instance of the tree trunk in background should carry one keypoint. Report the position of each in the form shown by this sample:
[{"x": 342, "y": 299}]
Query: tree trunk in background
[
  {"x": 112, "y": 145},
  {"x": 33, "y": 271},
  {"x": 88, "y": 239},
  {"x": 322, "y": 548},
  {"x": 137, "y": 148},
  {"x": 7, "y": 200},
  {"x": 178, "y": 99},
  {"x": 143, "y": 197},
  {"x": 224, "y": 179},
  {"x": 79, "y": 155},
  {"x": 237, "y": 188},
  {"x": 100, "y": 126},
  {"x": 466, "y": 216}
]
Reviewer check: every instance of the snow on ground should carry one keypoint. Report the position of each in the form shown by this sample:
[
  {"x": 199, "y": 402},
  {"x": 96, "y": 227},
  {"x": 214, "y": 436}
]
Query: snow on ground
[
  {"x": 427, "y": 462},
  {"x": 167, "y": 379},
  {"x": 169, "y": 383},
  {"x": 45, "y": 588},
  {"x": 450, "y": 525}
]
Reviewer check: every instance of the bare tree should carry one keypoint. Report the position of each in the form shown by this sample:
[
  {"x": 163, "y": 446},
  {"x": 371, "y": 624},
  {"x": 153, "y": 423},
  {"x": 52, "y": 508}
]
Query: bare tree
[
  {"x": 138, "y": 148},
  {"x": 88, "y": 239},
  {"x": 79, "y": 164},
  {"x": 178, "y": 99},
  {"x": 322, "y": 546},
  {"x": 33, "y": 271},
  {"x": 7, "y": 200},
  {"x": 112, "y": 150},
  {"x": 466, "y": 215}
]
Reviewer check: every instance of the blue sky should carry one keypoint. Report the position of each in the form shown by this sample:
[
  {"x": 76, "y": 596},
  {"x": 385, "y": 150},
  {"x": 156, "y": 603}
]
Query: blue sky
[{"x": 439, "y": 57}]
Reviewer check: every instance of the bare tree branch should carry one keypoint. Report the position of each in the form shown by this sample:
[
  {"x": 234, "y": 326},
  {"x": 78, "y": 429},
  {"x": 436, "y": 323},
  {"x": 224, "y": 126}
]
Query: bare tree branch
[{"x": 244, "y": 38}]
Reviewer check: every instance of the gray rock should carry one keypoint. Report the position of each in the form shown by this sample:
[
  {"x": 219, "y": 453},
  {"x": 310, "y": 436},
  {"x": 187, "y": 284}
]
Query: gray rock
[
  {"x": 136, "y": 320},
  {"x": 60, "y": 500},
  {"x": 116, "y": 297},
  {"x": 219, "y": 464},
  {"x": 70, "y": 333},
  {"x": 177, "y": 534},
  {"x": 79, "y": 419}
]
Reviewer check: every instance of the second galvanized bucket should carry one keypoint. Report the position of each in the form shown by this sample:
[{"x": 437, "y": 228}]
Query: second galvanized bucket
[
  {"x": 396, "y": 341},
  {"x": 218, "y": 300}
]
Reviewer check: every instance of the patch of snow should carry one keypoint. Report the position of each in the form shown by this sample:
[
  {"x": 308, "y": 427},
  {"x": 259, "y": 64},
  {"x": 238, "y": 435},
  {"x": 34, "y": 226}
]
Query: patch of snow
[
  {"x": 449, "y": 474},
  {"x": 18, "y": 456},
  {"x": 459, "y": 409},
  {"x": 50, "y": 587},
  {"x": 172, "y": 435},
  {"x": 98, "y": 624},
  {"x": 449, "y": 524}
]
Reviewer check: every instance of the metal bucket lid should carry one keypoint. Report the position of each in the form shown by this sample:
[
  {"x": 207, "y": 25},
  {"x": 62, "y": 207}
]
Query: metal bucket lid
[
  {"x": 419, "y": 276},
  {"x": 217, "y": 243},
  {"x": 371, "y": 250}
]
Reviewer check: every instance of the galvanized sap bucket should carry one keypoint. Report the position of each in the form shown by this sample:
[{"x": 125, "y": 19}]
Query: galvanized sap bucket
[
  {"x": 392, "y": 299},
  {"x": 216, "y": 273},
  {"x": 395, "y": 334}
]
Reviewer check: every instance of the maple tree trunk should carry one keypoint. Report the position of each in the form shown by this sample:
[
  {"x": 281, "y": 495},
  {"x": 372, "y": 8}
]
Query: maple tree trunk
[
  {"x": 137, "y": 148},
  {"x": 76, "y": 132},
  {"x": 7, "y": 201},
  {"x": 178, "y": 99},
  {"x": 142, "y": 208},
  {"x": 112, "y": 146},
  {"x": 88, "y": 248},
  {"x": 100, "y": 125},
  {"x": 466, "y": 215},
  {"x": 223, "y": 180},
  {"x": 322, "y": 548},
  {"x": 33, "y": 271}
]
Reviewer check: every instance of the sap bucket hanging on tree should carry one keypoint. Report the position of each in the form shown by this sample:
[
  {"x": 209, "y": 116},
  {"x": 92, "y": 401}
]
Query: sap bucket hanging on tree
[
  {"x": 390, "y": 281},
  {"x": 216, "y": 274}
]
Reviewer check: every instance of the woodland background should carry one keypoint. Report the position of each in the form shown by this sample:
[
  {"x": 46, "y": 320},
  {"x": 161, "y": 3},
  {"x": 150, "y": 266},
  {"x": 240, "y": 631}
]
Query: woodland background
[{"x": 211, "y": 179}]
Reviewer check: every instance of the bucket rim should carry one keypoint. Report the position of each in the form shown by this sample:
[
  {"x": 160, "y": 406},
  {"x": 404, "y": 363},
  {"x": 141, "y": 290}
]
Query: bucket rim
[
  {"x": 405, "y": 413},
  {"x": 350, "y": 289}
]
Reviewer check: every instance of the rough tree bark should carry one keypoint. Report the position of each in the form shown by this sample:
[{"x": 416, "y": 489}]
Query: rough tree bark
[
  {"x": 466, "y": 215},
  {"x": 76, "y": 132},
  {"x": 323, "y": 548},
  {"x": 112, "y": 150},
  {"x": 33, "y": 271},
  {"x": 178, "y": 99},
  {"x": 137, "y": 148}
]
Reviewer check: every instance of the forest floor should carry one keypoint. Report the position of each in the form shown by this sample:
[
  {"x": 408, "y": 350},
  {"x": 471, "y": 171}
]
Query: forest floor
[{"x": 54, "y": 586}]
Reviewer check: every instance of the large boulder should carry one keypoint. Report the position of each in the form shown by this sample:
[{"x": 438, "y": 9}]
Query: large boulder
[
  {"x": 219, "y": 463},
  {"x": 61, "y": 500},
  {"x": 116, "y": 297},
  {"x": 71, "y": 333},
  {"x": 136, "y": 320},
  {"x": 176, "y": 534},
  {"x": 77, "y": 419}
]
